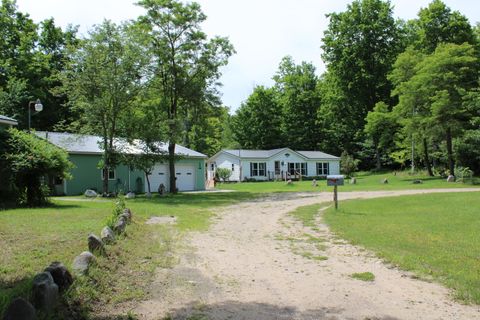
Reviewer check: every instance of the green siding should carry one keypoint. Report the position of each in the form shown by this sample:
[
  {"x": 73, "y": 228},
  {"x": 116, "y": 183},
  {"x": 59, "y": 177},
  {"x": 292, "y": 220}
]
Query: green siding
[{"x": 86, "y": 175}]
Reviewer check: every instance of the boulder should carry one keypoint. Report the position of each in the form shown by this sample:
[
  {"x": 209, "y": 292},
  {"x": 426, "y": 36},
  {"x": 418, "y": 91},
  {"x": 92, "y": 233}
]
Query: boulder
[
  {"x": 385, "y": 181},
  {"x": 128, "y": 213},
  {"x": 451, "y": 178},
  {"x": 20, "y": 309},
  {"x": 120, "y": 225},
  {"x": 95, "y": 244},
  {"x": 44, "y": 292},
  {"x": 289, "y": 182},
  {"x": 353, "y": 180},
  {"x": 82, "y": 262},
  {"x": 417, "y": 181},
  {"x": 60, "y": 274},
  {"x": 314, "y": 183},
  {"x": 148, "y": 195},
  {"x": 90, "y": 193},
  {"x": 107, "y": 235},
  {"x": 130, "y": 195}
]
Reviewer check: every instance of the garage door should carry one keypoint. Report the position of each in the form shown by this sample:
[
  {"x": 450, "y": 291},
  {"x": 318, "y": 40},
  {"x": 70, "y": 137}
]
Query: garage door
[
  {"x": 185, "y": 177},
  {"x": 160, "y": 174}
]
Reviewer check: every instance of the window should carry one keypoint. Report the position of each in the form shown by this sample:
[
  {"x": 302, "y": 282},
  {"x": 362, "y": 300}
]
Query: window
[
  {"x": 212, "y": 167},
  {"x": 258, "y": 169},
  {"x": 297, "y": 167},
  {"x": 323, "y": 168},
  {"x": 233, "y": 167},
  {"x": 111, "y": 174}
]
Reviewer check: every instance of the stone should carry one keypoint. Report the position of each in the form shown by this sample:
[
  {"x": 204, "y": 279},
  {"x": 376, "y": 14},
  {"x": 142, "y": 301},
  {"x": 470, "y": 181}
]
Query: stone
[
  {"x": 161, "y": 189},
  {"x": 20, "y": 309},
  {"x": 289, "y": 182},
  {"x": 314, "y": 183},
  {"x": 120, "y": 225},
  {"x": 451, "y": 178},
  {"x": 82, "y": 262},
  {"x": 107, "y": 235},
  {"x": 148, "y": 195},
  {"x": 417, "y": 181},
  {"x": 385, "y": 181},
  {"x": 95, "y": 244},
  {"x": 353, "y": 180},
  {"x": 130, "y": 195},
  {"x": 44, "y": 292},
  {"x": 90, "y": 193},
  {"x": 60, "y": 274}
]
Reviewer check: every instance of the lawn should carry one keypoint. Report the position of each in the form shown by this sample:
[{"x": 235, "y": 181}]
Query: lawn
[
  {"x": 32, "y": 238},
  {"x": 436, "y": 236},
  {"x": 365, "y": 182}
]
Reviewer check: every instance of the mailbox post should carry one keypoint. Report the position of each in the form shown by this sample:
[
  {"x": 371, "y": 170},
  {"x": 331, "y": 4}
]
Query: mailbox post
[{"x": 335, "y": 181}]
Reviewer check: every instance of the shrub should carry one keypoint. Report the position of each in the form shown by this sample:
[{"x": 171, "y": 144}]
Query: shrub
[
  {"x": 224, "y": 174},
  {"x": 348, "y": 164}
]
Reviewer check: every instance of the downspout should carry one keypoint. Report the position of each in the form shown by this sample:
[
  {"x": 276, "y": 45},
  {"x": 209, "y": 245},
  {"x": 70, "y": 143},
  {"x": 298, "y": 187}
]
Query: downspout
[{"x": 239, "y": 167}]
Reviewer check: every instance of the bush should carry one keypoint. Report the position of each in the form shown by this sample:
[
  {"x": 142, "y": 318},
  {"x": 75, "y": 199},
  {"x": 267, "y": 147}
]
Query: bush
[
  {"x": 348, "y": 164},
  {"x": 224, "y": 174},
  {"x": 29, "y": 160}
]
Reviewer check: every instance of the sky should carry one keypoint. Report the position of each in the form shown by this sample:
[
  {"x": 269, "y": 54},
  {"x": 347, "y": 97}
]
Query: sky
[{"x": 262, "y": 31}]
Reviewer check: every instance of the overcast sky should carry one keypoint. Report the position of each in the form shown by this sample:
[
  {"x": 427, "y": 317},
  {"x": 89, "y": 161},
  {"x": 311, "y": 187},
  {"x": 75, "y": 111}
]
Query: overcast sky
[{"x": 262, "y": 31}]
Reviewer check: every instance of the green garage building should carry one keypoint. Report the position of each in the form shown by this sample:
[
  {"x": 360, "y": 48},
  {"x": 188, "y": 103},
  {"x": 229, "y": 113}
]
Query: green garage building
[{"x": 85, "y": 153}]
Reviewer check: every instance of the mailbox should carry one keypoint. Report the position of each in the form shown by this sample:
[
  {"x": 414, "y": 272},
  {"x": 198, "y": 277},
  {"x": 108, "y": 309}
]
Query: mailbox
[{"x": 335, "y": 180}]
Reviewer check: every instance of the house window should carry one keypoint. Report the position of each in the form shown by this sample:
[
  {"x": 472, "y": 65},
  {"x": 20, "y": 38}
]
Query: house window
[
  {"x": 323, "y": 168},
  {"x": 297, "y": 167},
  {"x": 233, "y": 167},
  {"x": 111, "y": 174},
  {"x": 258, "y": 169},
  {"x": 212, "y": 166}
]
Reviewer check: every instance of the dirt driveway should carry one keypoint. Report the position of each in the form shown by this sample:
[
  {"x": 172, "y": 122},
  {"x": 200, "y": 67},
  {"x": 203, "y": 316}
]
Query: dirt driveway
[{"x": 257, "y": 263}]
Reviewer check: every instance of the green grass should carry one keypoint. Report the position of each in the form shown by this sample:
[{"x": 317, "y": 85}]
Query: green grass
[
  {"x": 32, "y": 238},
  {"x": 307, "y": 214},
  {"x": 435, "y": 236},
  {"x": 365, "y": 182},
  {"x": 364, "y": 276}
]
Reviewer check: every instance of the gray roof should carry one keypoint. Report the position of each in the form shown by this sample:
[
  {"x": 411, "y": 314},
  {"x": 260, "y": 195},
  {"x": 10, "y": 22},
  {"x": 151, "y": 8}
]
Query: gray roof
[
  {"x": 7, "y": 120},
  {"x": 265, "y": 154},
  {"x": 88, "y": 144}
]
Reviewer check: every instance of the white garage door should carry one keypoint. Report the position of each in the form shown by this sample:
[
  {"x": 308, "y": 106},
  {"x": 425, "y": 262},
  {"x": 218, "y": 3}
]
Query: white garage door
[
  {"x": 159, "y": 175},
  {"x": 185, "y": 177}
]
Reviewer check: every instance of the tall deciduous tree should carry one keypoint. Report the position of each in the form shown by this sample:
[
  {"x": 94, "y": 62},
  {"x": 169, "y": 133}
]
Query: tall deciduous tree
[
  {"x": 103, "y": 81},
  {"x": 300, "y": 101},
  {"x": 360, "y": 46},
  {"x": 257, "y": 123},
  {"x": 186, "y": 62}
]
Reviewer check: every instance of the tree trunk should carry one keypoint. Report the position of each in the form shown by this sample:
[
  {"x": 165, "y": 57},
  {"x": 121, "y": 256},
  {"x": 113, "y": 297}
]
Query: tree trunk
[
  {"x": 171, "y": 165},
  {"x": 148, "y": 181},
  {"x": 378, "y": 160},
  {"x": 427, "y": 158},
  {"x": 451, "y": 163}
]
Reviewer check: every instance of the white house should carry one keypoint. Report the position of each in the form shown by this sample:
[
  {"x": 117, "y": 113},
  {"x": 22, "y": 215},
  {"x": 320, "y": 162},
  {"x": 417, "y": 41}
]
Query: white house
[{"x": 272, "y": 164}]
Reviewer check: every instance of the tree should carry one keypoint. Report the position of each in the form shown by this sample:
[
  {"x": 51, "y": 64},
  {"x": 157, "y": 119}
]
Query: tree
[
  {"x": 360, "y": 46},
  {"x": 441, "y": 82},
  {"x": 30, "y": 159},
  {"x": 437, "y": 24},
  {"x": 224, "y": 174},
  {"x": 186, "y": 63},
  {"x": 348, "y": 164},
  {"x": 103, "y": 80},
  {"x": 300, "y": 101},
  {"x": 257, "y": 123},
  {"x": 381, "y": 127}
]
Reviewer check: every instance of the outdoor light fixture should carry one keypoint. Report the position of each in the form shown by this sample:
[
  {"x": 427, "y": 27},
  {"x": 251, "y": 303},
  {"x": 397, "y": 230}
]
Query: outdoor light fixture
[{"x": 38, "y": 106}]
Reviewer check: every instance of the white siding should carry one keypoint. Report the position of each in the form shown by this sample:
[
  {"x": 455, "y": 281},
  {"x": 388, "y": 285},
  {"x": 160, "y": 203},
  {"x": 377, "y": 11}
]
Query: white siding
[{"x": 224, "y": 160}]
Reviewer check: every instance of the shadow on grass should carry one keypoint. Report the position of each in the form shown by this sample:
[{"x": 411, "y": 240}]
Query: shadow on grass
[{"x": 252, "y": 310}]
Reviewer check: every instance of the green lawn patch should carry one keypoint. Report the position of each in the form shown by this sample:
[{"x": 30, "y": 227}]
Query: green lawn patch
[
  {"x": 307, "y": 214},
  {"x": 364, "y": 276},
  {"x": 365, "y": 182},
  {"x": 32, "y": 238},
  {"x": 434, "y": 235}
]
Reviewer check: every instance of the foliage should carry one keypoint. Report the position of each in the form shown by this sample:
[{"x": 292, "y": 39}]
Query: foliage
[
  {"x": 30, "y": 160},
  {"x": 224, "y": 174},
  {"x": 348, "y": 164},
  {"x": 103, "y": 79},
  {"x": 467, "y": 151},
  {"x": 257, "y": 123},
  {"x": 186, "y": 66}
]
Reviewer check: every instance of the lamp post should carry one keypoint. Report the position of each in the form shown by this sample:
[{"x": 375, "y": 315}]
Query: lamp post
[{"x": 38, "y": 107}]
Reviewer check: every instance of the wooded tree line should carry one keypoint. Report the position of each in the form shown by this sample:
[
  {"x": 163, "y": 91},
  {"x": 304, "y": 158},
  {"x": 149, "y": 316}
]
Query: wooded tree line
[
  {"x": 389, "y": 84},
  {"x": 390, "y": 87}
]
